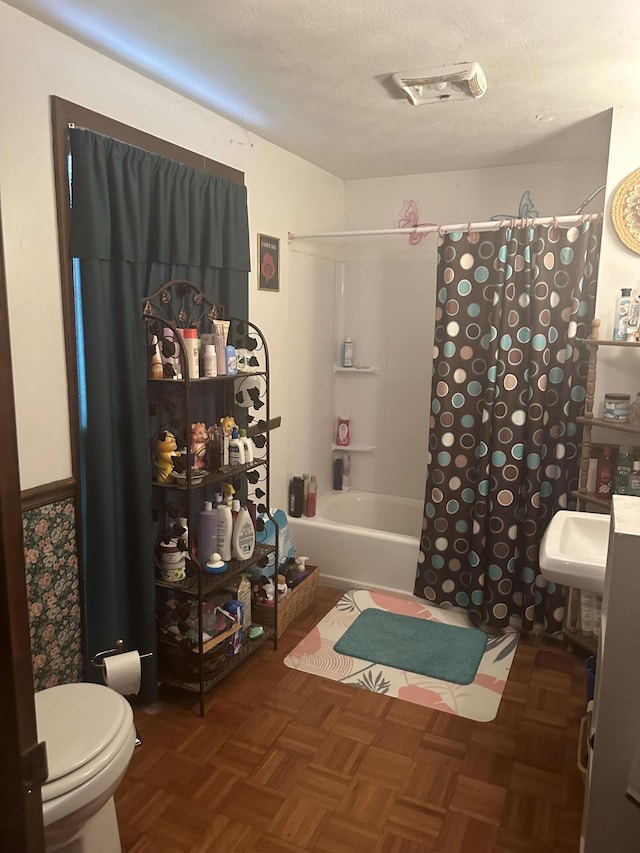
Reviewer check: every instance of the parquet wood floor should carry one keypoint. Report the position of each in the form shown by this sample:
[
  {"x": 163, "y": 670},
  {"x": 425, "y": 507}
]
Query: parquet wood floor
[{"x": 287, "y": 761}]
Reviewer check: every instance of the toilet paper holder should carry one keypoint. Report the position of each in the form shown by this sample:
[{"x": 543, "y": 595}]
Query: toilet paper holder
[{"x": 98, "y": 659}]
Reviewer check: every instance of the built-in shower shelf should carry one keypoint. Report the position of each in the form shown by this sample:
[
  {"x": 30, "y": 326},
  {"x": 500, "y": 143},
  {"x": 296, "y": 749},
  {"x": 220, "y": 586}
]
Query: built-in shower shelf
[
  {"x": 354, "y": 448},
  {"x": 337, "y": 369}
]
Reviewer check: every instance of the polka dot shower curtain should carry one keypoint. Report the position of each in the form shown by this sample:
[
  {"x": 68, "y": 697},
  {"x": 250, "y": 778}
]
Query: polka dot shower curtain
[{"x": 508, "y": 384}]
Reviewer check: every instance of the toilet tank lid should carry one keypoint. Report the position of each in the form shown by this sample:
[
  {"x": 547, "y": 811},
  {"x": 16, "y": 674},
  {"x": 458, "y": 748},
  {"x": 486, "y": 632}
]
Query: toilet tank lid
[{"x": 77, "y": 722}]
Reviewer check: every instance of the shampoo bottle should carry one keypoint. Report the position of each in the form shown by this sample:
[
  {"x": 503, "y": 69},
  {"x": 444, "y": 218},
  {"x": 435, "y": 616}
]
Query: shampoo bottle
[
  {"x": 248, "y": 446},
  {"x": 296, "y": 497},
  {"x": 225, "y": 531},
  {"x": 347, "y": 352},
  {"x": 207, "y": 533},
  {"x": 244, "y": 536},
  {"x": 621, "y": 314},
  {"x": 346, "y": 472},
  {"x": 604, "y": 472},
  {"x": 312, "y": 497}
]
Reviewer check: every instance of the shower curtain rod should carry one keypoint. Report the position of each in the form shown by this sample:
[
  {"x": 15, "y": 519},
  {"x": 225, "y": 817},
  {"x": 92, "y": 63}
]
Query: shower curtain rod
[{"x": 491, "y": 225}]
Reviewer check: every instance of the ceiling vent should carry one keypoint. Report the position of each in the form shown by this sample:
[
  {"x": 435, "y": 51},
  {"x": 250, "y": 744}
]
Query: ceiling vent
[{"x": 447, "y": 83}]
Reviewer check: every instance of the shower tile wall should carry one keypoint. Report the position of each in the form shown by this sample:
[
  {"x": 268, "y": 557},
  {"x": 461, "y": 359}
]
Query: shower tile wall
[
  {"x": 387, "y": 307},
  {"x": 51, "y": 564}
]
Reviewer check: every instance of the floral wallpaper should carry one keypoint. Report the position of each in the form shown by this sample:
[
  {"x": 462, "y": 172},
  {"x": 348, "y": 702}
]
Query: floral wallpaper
[{"x": 53, "y": 592}]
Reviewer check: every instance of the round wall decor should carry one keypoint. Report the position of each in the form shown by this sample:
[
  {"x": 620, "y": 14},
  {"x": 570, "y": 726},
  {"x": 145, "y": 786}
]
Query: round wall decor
[{"x": 625, "y": 211}]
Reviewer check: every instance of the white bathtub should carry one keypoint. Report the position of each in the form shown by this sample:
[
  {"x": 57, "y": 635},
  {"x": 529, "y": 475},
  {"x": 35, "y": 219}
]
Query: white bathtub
[{"x": 362, "y": 539}]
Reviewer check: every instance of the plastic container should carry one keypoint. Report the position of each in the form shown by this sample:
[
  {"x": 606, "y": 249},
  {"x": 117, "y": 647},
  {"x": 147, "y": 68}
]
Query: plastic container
[
  {"x": 244, "y": 536},
  {"x": 616, "y": 407},
  {"x": 621, "y": 315},
  {"x": 210, "y": 361},
  {"x": 312, "y": 497},
  {"x": 346, "y": 473},
  {"x": 346, "y": 358},
  {"x": 296, "y": 497},
  {"x": 604, "y": 473},
  {"x": 343, "y": 437},
  {"x": 190, "y": 338},
  {"x": 623, "y": 470},
  {"x": 207, "y": 533}
]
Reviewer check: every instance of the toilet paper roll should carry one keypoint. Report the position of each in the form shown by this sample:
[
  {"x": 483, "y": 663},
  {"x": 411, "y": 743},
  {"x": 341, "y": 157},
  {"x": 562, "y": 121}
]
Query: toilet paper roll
[{"x": 122, "y": 672}]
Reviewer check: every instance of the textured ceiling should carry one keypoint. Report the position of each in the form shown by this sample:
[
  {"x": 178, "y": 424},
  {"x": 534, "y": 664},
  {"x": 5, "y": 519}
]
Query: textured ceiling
[{"x": 313, "y": 77}]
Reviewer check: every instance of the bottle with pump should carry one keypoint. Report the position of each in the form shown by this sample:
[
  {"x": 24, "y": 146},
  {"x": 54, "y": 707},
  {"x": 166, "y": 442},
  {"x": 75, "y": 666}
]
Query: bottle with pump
[
  {"x": 244, "y": 536},
  {"x": 623, "y": 303}
]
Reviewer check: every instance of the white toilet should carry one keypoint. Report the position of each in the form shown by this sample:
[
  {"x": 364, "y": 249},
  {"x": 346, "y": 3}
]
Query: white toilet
[{"x": 90, "y": 736}]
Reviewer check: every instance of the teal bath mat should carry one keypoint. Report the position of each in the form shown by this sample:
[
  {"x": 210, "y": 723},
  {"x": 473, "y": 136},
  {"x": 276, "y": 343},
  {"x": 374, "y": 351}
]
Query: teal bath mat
[{"x": 423, "y": 646}]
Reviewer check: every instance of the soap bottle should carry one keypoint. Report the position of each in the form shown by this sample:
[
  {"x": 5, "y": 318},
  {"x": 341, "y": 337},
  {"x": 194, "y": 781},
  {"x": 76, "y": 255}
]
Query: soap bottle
[
  {"x": 296, "y": 497},
  {"x": 621, "y": 315},
  {"x": 207, "y": 533},
  {"x": 248, "y": 445},
  {"x": 300, "y": 572},
  {"x": 623, "y": 470},
  {"x": 236, "y": 449},
  {"x": 312, "y": 497},
  {"x": 604, "y": 472},
  {"x": 634, "y": 479},
  {"x": 346, "y": 472},
  {"x": 225, "y": 530},
  {"x": 347, "y": 352},
  {"x": 244, "y": 536}
]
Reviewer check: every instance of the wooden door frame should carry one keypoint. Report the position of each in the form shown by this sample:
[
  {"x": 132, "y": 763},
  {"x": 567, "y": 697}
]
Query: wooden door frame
[{"x": 20, "y": 810}]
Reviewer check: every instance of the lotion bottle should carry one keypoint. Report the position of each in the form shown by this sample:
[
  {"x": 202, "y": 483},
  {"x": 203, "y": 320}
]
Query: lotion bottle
[
  {"x": 225, "y": 531},
  {"x": 248, "y": 445},
  {"x": 244, "y": 536}
]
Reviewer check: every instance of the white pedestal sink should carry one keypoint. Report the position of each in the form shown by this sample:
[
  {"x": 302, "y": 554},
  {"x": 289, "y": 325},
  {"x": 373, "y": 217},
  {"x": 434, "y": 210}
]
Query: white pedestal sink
[{"x": 573, "y": 550}]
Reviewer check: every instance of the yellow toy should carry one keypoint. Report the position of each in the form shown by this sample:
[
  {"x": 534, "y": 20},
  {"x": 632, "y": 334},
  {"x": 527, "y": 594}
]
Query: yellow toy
[
  {"x": 227, "y": 425},
  {"x": 166, "y": 452}
]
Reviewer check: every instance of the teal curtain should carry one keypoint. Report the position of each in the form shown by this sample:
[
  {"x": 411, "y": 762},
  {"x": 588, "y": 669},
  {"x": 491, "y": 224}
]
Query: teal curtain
[
  {"x": 137, "y": 220},
  {"x": 509, "y": 379}
]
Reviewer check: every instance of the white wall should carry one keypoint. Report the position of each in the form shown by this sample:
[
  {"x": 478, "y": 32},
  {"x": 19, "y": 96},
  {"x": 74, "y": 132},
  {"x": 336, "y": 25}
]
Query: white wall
[
  {"x": 36, "y": 62},
  {"x": 388, "y": 300}
]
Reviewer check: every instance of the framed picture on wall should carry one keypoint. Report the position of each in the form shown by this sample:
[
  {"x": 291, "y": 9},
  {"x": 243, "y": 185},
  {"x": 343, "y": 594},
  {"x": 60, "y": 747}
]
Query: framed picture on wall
[{"x": 268, "y": 263}]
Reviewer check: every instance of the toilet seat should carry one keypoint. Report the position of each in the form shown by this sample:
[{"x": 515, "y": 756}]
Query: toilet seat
[{"x": 85, "y": 726}]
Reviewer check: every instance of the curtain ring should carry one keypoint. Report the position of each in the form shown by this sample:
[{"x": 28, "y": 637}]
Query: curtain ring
[
  {"x": 468, "y": 229},
  {"x": 440, "y": 231}
]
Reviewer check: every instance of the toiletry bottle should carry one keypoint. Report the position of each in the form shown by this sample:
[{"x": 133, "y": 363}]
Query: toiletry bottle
[
  {"x": 210, "y": 361},
  {"x": 634, "y": 479},
  {"x": 346, "y": 472},
  {"x": 207, "y": 533},
  {"x": 236, "y": 449},
  {"x": 623, "y": 470},
  {"x": 225, "y": 530},
  {"x": 342, "y": 433},
  {"x": 235, "y": 509},
  {"x": 248, "y": 445},
  {"x": 305, "y": 492},
  {"x": 337, "y": 474},
  {"x": 190, "y": 338},
  {"x": 296, "y": 494},
  {"x": 300, "y": 572},
  {"x": 604, "y": 472},
  {"x": 215, "y": 565},
  {"x": 156, "y": 370},
  {"x": 347, "y": 352},
  {"x": 312, "y": 497},
  {"x": 621, "y": 315},
  {"x": 213, "y": 449},
  {"x": 244, "y": 536},
  {"x": 231, "y": 360}
]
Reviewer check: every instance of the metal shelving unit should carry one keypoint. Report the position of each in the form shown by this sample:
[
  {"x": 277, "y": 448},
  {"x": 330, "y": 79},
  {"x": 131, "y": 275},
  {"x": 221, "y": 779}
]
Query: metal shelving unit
[{"x": 174, "y": 404}]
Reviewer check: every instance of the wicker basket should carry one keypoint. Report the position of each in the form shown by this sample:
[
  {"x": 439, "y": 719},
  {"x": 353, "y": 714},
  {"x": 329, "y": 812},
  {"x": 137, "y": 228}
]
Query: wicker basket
[
  {"x": 291, "y": 606},
  {"x": 184, "y": 664}
]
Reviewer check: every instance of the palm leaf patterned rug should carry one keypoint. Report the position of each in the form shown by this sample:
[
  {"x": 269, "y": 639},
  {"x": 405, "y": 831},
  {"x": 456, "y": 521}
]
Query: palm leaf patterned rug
[{"x": 476, "y": 701}]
